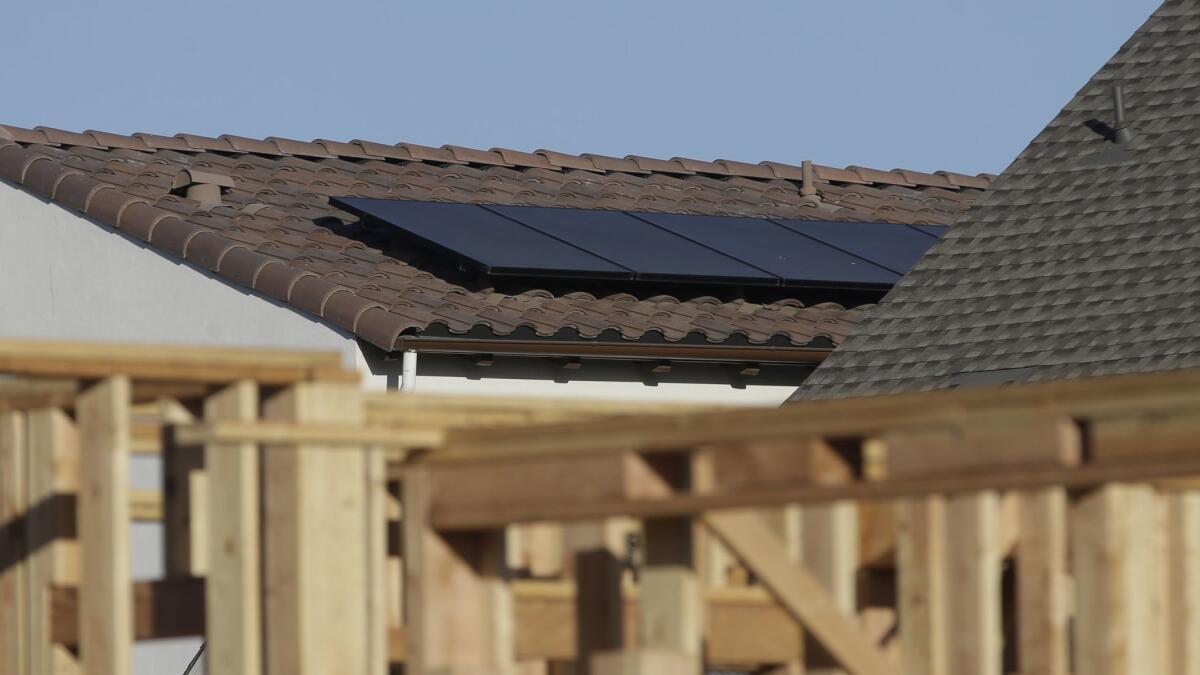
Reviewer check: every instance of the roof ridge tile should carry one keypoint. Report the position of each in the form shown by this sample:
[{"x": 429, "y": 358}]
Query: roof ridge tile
[
  {"x": 474, "y": 156},
  {"x": 426, "y": 153},
  {"x": 745, "y": 169},
  {"x": 197, "y": 142},
  {"x": 251, "y": 145},
  {"x": 105, "y": 139},
  {"x": 62, "y": 137},
  {"x": 531, "y": 160},
  {"x": 608, "y": 163},
  {"x": 567, "y": 161},
  {"x": 155, "y": 141}
]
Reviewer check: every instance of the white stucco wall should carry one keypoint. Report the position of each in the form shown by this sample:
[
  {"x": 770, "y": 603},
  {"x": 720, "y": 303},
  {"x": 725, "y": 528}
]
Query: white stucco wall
[{"x": 65, "y": 277}]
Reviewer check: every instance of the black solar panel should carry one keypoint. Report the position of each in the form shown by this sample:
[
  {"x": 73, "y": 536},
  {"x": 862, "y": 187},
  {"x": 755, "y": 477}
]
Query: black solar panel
[
  {"x": 896, "y": 247},
  {"x": 630, "y": 241},
  {"x": 794, "y": 258},
  {"x": 598, "y": 244},
  {"x": 487, "y": 241},
  {"x": 935, "y": 231}
]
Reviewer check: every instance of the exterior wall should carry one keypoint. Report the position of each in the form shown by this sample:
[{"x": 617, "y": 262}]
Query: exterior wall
[{"x": 67, "y": 278}]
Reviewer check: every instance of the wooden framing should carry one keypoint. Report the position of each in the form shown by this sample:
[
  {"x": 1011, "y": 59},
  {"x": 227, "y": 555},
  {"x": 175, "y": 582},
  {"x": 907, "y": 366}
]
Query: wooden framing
[{"x": 878, "y": 529}]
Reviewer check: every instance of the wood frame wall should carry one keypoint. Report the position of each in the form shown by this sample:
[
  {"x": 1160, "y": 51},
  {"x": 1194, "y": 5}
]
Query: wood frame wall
[{"x": 314, "y": 528}]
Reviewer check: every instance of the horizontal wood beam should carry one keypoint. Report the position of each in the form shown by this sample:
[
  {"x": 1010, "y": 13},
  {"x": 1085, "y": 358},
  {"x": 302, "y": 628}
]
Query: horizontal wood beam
[
  {"x": 476, "y": 514},
  {"x": 146, "y": 506},
  {"x": 161, "y": 609},
  {"x": 743, "y": 626},
  {"x": 92, "y": 360},
  {"x": 272, "y": 433},
  {"x": 856, "y": 418}
]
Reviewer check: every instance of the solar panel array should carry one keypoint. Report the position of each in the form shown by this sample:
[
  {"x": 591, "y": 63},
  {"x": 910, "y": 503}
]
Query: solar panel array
[{"x": 528, "y": 241}]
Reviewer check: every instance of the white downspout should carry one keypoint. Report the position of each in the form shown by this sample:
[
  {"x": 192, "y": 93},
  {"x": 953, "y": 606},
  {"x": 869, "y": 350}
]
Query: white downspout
[{"x": 408, "y": 371}]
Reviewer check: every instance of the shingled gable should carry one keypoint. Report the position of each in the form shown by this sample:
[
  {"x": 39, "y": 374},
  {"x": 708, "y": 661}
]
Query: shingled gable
[
  {"x": 1084, "y": 257},
  {"x": 256, "y": 213}
]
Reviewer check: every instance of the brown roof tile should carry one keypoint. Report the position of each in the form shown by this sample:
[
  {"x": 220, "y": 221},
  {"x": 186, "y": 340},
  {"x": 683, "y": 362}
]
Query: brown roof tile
[{"x": 269, "y": 233}]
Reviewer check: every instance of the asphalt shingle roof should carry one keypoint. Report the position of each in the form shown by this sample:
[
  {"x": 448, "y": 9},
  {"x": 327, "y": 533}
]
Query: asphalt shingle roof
[
  {"x": 1084, "y": 257},
  {"x": 274, "y": 231}
]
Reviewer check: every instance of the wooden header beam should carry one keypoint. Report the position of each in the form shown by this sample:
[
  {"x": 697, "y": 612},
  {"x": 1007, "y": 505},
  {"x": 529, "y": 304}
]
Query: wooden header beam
[
  {"x": 93, "y": 360},
  {"x": 953, "y": 411}
]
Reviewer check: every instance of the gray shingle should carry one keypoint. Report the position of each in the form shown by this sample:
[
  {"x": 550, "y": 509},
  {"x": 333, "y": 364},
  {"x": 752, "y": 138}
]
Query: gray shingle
[{"x": 1083, "y": 259}]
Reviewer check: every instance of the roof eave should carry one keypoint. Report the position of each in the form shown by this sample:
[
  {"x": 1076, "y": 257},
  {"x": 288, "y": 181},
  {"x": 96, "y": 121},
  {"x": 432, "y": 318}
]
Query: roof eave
[{"x": 611, "y": 350}]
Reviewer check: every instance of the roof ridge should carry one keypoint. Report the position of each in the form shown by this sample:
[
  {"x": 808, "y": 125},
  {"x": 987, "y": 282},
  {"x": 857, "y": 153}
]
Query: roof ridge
[{"x": 501, "y": 157}]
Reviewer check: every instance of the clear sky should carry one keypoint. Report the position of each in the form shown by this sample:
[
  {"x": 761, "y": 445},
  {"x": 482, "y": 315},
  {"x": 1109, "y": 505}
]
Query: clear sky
[{"x": 939, "y": 84}]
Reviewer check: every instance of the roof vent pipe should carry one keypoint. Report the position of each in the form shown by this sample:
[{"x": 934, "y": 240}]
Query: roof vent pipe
[
  {"x": 1121, "y": 133},
  {"x": 808, "y": 187}
]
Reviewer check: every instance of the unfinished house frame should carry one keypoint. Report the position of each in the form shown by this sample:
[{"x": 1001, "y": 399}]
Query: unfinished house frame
[{"x": 314, "y": 528}]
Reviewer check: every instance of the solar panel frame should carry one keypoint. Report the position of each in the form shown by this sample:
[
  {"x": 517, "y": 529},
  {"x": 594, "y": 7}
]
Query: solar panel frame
[
  {"x": 754, "y": 240},
  {"x": 509, "y": 248},
  {"x": 627, "y": 246},
  {"x": 892, "y": 246},
  {"x": 652, "y": 252}
]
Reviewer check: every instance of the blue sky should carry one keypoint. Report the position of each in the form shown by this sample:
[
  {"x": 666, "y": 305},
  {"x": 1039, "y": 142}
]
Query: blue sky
[{"x": 929, "y": 85}]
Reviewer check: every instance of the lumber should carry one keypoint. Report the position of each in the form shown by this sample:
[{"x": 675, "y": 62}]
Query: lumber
[
  {"x": 778, "y": 461},
  {"x": 146, "y": 506},
  {"x": 1042, "y": 602},
  {"x": 376, "y": 506},
  {"x": 184, "y": 505},
  {"x": 744, "y": 627},
  {"x": 1183, "y": 580},
  {"x": 1081, "y": 398},
  {"x": 543, "y": 548},
  {"x": 1116, "y": 628},
  {"x": 1133, "y": 435},
  {"x": 50, "y": 537},
  {"x": 922, "y": 592},
  {"x": 829, "y": 548},
  {"x": 671, "y": 622},
  {"x": 788, "y": 524},
  {"x": 474, "y": 515},
  {"x": 163, "y": 608},
  {"x": 459, "y": 606},
  {"x": 541, "y": 485},
  {"x": 88, "y": 360},
  {"x": 643, "y": 661},
  {"x": 877, "y": 534},
  {"x": 798, "y": 591},
  {"x": 983, "y": 444},
  {"x": 277, "y": 433},
  {"x": 106, "y": 615},
  {"x": 13, "y": 572},
  {"x": 314, "y": 527},
  {"x": 234, "y": 593},
  {"x": 381, "y": 405},
  {"x": 973, "y": 576},
  {"x": 20, "y": 393},
  {"x": 596, "y": 557}
]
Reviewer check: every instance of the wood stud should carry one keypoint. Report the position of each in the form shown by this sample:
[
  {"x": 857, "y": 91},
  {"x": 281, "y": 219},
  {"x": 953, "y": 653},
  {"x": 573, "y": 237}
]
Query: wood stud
[{"x": 1105, "y": 562}]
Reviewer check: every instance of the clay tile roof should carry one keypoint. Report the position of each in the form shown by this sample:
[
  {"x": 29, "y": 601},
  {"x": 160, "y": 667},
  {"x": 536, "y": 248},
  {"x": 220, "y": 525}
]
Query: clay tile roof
[
  {"x": 1081, "y": 260},
  {"x": 276, "y": 234}
]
